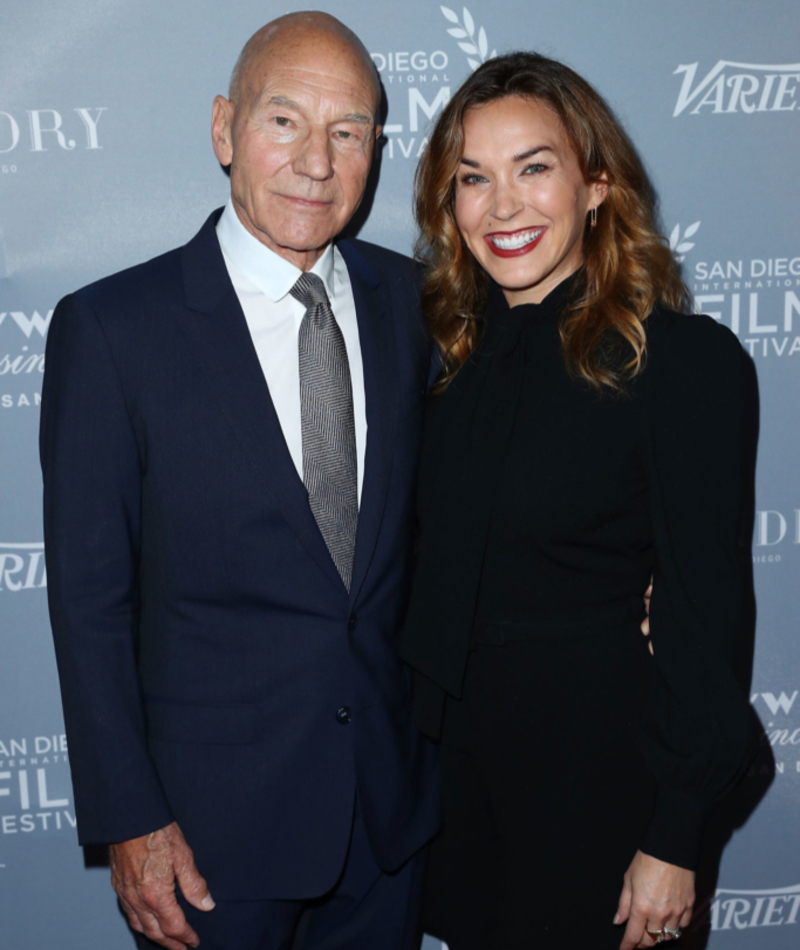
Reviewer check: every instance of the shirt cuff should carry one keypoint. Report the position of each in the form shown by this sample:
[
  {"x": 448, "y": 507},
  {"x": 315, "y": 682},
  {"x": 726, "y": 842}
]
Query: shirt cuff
[{"x": 675, "y": 832}]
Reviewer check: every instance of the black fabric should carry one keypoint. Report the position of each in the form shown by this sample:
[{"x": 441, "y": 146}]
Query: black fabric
[
  {"x": 543, "y": 504},
  {"x": 540, "y": 826}
]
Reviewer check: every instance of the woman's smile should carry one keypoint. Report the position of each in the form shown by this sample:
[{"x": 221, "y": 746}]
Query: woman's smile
[{"x": 514, "y": 243}]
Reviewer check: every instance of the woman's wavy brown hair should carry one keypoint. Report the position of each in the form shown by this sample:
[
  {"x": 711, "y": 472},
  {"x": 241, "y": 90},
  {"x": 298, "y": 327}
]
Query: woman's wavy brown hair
[{"x": 629, "y": 268}]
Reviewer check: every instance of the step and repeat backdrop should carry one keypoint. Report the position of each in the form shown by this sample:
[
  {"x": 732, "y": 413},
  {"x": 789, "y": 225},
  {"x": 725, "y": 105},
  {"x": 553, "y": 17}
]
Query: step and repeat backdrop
[{"x": 106, "y": 160}]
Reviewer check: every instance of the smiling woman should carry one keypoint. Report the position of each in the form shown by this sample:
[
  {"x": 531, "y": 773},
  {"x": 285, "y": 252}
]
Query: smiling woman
[
  {"x": 521, "y": 188},
  {"x": 585, "y": 436},
  {"x": 528, "y": 132}
]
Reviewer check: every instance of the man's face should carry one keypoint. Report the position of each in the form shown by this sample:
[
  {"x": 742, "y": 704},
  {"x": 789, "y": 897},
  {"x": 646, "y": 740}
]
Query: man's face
[{"x": 299, "y": 141}]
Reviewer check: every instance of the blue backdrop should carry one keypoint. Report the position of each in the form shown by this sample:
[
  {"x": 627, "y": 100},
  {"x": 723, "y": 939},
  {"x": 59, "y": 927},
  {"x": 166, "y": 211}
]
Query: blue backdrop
[{"x": 105, "y": 160}]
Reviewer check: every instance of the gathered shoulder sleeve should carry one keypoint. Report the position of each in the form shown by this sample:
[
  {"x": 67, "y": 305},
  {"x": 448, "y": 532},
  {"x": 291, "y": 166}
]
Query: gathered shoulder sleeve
[{"x": 699, "y": 733}]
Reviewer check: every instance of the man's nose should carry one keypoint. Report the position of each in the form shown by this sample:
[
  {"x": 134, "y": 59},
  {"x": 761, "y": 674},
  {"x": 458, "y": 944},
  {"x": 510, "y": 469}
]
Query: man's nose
[{"x": 314, "y": 159}]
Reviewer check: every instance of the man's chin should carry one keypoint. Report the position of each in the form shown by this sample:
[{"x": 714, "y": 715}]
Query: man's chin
[{"x": 299, "y": 249}]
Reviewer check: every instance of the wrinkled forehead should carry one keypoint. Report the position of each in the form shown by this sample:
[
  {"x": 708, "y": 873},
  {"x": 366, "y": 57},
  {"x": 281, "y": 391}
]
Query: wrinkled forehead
[{"x": 314, "y": 58}]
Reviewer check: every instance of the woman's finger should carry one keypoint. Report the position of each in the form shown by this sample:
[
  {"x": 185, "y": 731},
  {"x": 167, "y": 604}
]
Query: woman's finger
[
  {"x": 635, "y": 935},
  {"x": 648, "y": 940},
  {"x": 673, "y": 923},
  {"x": 624, "y": 905}
]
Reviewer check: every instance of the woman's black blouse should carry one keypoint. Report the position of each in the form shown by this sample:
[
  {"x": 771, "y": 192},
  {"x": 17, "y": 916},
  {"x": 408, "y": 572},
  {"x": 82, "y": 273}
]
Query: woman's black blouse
[{"x": 542, "y": 502}]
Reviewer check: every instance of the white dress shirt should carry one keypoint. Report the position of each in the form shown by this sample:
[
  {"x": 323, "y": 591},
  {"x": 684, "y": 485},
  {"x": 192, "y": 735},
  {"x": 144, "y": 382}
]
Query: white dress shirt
[{"x": 262, "y": 280}]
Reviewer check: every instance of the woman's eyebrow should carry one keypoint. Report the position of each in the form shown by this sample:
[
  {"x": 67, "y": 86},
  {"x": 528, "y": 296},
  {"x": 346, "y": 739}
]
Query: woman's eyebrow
[
  {"x": 532, "y": 151},
  {"x": 517, "y": 158}
]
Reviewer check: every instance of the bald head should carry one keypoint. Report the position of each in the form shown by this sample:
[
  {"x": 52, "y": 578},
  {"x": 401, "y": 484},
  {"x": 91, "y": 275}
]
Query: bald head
[
  {"x": 304, "y": 31},
  {"x": 298, "y": 133}
]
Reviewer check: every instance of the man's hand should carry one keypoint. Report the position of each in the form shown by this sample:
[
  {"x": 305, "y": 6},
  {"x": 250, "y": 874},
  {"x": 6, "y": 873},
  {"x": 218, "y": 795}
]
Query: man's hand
[
  {"x": 655, "y": 895},
  {"x": 143, "y": 873},
  {"x": 646, "y": 622}
]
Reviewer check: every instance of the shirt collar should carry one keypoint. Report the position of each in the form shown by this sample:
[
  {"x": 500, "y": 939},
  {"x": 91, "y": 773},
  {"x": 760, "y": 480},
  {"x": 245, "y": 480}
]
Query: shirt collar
[{"x": 270, "y": 272}]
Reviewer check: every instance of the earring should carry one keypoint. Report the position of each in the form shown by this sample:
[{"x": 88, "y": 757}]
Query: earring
[{"x": 593, "y": 217}]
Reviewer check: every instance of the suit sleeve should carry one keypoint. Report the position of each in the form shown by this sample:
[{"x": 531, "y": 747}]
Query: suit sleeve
[
  {"x": 92, "y": 497},
  {"x": 699, "y": 734}
]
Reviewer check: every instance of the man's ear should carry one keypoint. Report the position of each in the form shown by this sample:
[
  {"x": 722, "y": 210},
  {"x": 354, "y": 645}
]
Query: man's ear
[{"x": 222, "y": 114}]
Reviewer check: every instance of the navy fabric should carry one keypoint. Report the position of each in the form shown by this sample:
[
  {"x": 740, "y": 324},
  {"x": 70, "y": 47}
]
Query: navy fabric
[
  {"x": 204, "y": 637},
  {"x": 366, "y": 909}
]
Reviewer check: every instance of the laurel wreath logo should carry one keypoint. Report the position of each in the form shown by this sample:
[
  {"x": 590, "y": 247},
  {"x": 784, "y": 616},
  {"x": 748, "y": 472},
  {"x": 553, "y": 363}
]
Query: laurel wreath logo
[
  {"x": 680, "y": 246},
  {"x": 472, "y": 44}
]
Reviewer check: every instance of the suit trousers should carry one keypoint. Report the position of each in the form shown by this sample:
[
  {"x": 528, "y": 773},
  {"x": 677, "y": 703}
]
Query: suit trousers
[{"x": 367, "y": 909}]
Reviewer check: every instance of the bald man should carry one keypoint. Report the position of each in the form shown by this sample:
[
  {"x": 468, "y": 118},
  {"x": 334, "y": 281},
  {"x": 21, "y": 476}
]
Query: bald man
[{"x": 229, "y": 437}]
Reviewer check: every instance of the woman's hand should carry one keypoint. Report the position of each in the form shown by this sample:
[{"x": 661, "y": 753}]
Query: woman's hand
[{"x": 654, "y": 895}]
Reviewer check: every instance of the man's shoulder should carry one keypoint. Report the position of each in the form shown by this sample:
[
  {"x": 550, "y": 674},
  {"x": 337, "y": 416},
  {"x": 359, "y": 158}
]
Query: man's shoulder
[
  {"x": 156, "y": 281},
  {"x": 134, "y": 284}
]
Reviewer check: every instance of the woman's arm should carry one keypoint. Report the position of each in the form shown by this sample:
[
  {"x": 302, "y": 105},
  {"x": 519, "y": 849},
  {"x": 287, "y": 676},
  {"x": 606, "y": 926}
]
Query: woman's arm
[{"x": 699, "y": 732}]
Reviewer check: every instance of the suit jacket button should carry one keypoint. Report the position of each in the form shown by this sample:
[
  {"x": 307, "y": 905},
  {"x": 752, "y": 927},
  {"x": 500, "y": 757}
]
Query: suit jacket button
[
  {"x": 352, "y": 623},
  {"x": 343, "y": 715}
]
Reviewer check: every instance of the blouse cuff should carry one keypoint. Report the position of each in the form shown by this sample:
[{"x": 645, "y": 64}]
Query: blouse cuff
[{"x": 675, "y": 832}]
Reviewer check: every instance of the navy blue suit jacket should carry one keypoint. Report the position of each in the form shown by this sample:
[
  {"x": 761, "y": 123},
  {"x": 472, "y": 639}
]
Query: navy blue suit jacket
[{"x": 204, "y": 638}]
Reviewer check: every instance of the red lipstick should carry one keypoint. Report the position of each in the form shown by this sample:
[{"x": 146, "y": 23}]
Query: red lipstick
[{"x": 517, "y": 251}]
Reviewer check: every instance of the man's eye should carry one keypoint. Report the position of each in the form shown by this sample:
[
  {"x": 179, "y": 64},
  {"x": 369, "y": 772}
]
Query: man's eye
[
  {"x": 345, "y": 135},
  {"x": 281, "y": 120}
]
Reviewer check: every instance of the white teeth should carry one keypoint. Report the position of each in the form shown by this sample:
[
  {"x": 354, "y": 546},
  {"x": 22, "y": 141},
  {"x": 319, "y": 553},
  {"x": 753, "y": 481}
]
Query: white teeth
[{"x": 515, "y": 241}]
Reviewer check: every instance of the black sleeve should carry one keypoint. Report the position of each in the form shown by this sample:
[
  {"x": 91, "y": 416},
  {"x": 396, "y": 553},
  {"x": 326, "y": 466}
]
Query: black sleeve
[
  {"x": 92, "y": 500},
  {"x": 699, "y": 733}
]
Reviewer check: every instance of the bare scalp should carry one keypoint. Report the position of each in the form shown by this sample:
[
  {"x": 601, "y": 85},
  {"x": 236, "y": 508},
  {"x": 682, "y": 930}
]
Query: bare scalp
[{"x": 298, "y": 31}]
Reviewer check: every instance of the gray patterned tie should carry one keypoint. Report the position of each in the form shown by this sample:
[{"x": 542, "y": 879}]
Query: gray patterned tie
[{"x": 328, "y": 427}]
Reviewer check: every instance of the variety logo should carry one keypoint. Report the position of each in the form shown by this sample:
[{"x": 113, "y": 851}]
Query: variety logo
[
  {"x": 738, "y": 87},
  {"x": 22, "y": 567},
  {"x": 741, "y": 910},
  {"x": 47, "y": 130},
  {"x": 22, "y": 356},
  {"x": 759, "y": 298},
  {"x": 419, "y": 84},
  {"x": 35, "y": 786}
]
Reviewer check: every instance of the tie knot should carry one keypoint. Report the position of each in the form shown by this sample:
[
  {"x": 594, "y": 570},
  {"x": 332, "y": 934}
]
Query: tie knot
[{"x": 310, "y": 291}]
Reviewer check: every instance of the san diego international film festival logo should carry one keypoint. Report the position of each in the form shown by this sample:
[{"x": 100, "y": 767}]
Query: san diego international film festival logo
[
  {"x": 757, "y": 297},
  {"x": 35, "y": 787},
  {"x": 418, "y": 82}
]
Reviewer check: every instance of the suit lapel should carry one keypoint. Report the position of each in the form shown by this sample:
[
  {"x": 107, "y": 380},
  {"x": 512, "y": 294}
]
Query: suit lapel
[
  {"x": 216, "y": 330},
  {"x": 379, "y": 356}
]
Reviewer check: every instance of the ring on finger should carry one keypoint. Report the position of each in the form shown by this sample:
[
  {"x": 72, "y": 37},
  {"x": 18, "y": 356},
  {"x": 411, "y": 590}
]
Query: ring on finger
[
  {"x": 674, "y": 934},
  {"x": 657, "y": 935}
]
